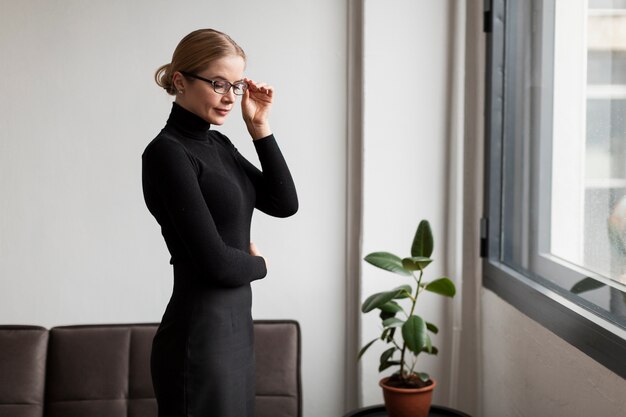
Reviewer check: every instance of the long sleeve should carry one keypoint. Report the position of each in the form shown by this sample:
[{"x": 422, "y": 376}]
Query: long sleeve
[
  {"x": 174, "y": 197},
  {"x": 275, "y": 189}
]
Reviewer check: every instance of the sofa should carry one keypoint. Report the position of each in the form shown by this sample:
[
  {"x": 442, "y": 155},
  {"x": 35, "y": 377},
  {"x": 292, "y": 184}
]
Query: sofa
[{"x": 104, "y": 370}]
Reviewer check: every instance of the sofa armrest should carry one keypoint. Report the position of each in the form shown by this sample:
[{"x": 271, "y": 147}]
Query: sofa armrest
[{"x": 278, "y": 360}]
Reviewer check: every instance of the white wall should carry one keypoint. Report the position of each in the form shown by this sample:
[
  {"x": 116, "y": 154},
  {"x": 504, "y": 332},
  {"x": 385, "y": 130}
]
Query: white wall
[
  {"x": 529, "y": 371},
  {"x": 405, "y": 133},
  {"x": 77, "y": 244}
]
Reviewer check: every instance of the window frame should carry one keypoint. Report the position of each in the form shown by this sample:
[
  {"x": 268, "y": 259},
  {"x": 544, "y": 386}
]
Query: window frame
[{"x": 597, "y": 337}]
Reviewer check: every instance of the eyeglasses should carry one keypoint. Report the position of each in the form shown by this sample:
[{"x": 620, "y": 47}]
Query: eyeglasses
[{"x": 219, "y": 86}]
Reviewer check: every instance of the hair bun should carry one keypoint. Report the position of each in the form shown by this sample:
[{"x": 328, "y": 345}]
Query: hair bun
[{"x": 163, "y": 78}]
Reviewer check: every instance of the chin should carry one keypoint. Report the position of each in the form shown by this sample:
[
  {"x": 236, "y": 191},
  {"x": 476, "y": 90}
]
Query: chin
[{"x": 216, "y": 120}]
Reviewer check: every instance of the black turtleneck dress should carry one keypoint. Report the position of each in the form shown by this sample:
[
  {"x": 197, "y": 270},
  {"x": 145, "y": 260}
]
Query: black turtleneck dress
[{"x": 202, "y": 193}]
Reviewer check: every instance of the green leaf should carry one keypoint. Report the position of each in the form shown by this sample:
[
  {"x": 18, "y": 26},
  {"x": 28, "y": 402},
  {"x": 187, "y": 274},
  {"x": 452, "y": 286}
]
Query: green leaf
[
  {"x": 389, "y": 310},
  {"x": 386, "y": 355},
  {"x": 403, "y": 290},
  {"x": 391, "y": 307},
  {"x": 384, "y": 315},
  {"x": 406, "y": 293},
  {"x": 423, "y": 243},
  {"x": 387, "y": 261},
  {"x": 364, "y": 348},
  {"x": 414, "y": 333},
  {"x": 393, "y": 322},
  {"x": 388, "y": 334},
  {"x": 443, "y": 286},
  {"x": 423, "y": 376},
  {"x": 416, "y": 263},
  {"x": 432, "y": 327},
  {"x": 381, "y": 298},
  {"x": 384, "y": 358},
  {"x": 387, "y": 364},
  {"x": 429, "y": 345},
  {"x": 384, "y": 334},
  {"x": 433, "y": 350},
  {"x": 586, "y": 284}
]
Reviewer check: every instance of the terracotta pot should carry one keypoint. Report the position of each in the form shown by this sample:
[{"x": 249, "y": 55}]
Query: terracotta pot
[{"x": 407, "y": 402}]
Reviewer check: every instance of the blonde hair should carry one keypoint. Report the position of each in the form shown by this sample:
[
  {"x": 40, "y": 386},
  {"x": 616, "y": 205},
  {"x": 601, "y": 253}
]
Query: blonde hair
[{"x": 194, "y": 53}]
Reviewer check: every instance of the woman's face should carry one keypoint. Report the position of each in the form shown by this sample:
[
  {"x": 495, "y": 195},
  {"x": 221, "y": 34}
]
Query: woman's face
[{"x": 199, "y": 97}]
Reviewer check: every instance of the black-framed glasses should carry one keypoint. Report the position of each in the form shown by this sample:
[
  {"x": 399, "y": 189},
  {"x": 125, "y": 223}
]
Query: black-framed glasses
[{"x": 220, "y": 86}]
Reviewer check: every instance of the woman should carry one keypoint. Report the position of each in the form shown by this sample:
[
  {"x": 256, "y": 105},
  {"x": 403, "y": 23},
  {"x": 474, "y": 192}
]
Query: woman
[{"x": 202, "y": 193}]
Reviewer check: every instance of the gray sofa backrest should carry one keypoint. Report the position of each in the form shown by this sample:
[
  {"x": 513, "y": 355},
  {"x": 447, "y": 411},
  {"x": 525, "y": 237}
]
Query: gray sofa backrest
[
  {"x": 103, "y": 370},
  {"x": 99, "y": 371}
]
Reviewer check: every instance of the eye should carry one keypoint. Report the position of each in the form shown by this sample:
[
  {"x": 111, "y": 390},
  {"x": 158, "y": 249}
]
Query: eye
[
  {"x": 240, "y": 87},
  {"x": 220, "y": 84}
]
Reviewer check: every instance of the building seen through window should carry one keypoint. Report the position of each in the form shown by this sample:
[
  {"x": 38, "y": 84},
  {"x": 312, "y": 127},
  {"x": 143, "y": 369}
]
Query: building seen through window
[{"x": 605, "y": 150}]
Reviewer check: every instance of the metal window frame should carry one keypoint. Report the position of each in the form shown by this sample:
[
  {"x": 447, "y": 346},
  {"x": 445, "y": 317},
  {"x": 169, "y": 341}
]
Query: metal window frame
[{"x": 596, "y": 337}]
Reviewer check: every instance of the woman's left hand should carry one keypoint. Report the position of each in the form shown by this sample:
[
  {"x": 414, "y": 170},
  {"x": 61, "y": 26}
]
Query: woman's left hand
[{"x": 255, "y": 108}]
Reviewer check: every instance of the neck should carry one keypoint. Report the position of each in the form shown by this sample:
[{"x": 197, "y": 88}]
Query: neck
[{"x": 187, "y": 123}]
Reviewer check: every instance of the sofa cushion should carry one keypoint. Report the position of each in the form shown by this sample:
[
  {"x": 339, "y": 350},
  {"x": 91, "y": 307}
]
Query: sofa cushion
[
  {"x": 141, "y": 401},
  {"x": 100, "y": 370},
  {"x": 22, "y": 370}
]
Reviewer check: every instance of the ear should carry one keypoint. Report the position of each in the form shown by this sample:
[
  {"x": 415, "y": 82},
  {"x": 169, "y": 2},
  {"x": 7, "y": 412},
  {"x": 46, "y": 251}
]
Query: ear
[{"x": 178, "y": 81}]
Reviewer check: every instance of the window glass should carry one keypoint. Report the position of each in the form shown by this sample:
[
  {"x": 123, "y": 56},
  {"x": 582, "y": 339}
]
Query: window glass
[
  {"x": 563, "y": 212},
  {"x": 605, "y": 150}
]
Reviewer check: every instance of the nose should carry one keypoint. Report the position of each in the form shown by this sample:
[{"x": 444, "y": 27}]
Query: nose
[{"x": 229, "y": 97}]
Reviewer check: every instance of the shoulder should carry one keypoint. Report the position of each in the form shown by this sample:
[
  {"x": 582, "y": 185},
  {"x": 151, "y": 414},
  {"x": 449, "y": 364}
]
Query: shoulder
[
  {"x": 166, "y": 153},
  {"x": 162, "y": 146},
  {"x": 224, "y": 141}
]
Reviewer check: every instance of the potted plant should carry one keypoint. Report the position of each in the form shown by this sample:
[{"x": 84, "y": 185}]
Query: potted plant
[{"x": 407, "y": 392}]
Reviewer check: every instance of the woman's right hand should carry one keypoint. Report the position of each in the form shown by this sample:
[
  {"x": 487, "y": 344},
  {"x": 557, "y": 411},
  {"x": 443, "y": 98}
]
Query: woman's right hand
[{"x": 254, "y": 251}]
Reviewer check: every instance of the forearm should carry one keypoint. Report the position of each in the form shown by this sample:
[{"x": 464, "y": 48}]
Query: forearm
[
  {"x": 231, "y": 267},
  {"x": 276, "y": 191}
]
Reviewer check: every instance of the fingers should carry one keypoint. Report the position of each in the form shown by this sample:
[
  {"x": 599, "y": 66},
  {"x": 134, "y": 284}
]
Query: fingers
[
  {"x": 254, "y": 87},
  {"x": 254, "y": 250}
]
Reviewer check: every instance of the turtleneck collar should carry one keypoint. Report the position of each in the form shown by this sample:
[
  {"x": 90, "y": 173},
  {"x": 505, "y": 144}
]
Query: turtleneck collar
[{"x": 187, "y": 123}]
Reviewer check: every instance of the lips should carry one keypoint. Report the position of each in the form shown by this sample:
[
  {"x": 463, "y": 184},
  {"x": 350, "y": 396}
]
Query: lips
[{"x": 222, "y": 112}]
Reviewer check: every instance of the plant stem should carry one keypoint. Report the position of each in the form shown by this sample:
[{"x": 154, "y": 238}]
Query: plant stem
[
  {"x": 414, "y": 299},
  {"x": 413, "y": 365},
  {"x": 417, "y": 291}
]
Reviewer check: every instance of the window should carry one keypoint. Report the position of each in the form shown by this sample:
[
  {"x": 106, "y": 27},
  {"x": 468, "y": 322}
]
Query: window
[
  {"x": 555, "y": 226},
  {"x": 605, "y": 143}
]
